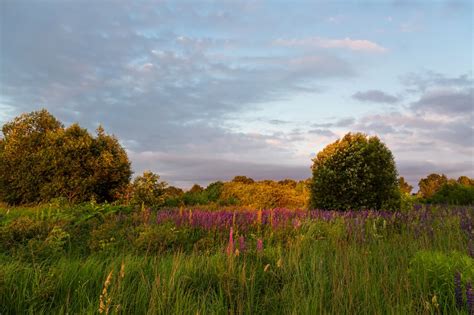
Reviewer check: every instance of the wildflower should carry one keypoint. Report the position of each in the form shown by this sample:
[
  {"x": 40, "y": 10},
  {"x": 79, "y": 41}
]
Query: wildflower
[
  {"x": 230, "y": 246},
  {"x": 470, "y": 299},
  {"x": 259, "y": 245},
  {"x": 471, "y": 248},
  {"x": 458, "y": 289}
]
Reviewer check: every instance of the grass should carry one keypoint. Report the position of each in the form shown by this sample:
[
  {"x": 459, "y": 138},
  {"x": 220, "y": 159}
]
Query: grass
[{"x": 318, "y": 268}]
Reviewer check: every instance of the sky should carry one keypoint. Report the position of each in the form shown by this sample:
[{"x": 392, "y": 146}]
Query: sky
[{"x": 199, "y": 91}]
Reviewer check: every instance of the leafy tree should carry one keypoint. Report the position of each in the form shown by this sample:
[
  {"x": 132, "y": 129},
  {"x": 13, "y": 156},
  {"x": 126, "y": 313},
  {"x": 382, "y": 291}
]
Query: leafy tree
[
  {"x": 355, "y": 172},
  {"x": 148, "y": 189},
  {"x": 196, "y": 189},
  {"x": 404, "y": 186},
  {"x": 464, "y": 180},
  {"x": 243, "y": 180},
  {"x": 41, "y": 160},
  {"x": 213, "y": 191},
  {"x": 431, "y": 184},
  {"x": 289, "y": 182},
  {"x": 454, "y": 194}
]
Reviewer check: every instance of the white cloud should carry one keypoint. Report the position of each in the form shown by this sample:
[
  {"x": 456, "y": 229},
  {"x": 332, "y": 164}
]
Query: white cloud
[{"x": 345, "y": 43}]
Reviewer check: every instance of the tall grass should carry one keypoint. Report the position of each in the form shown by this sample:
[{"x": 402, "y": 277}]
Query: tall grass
[{"x": 317, "y": 268}]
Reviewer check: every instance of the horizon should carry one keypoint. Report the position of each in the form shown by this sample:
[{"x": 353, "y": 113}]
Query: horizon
[{"x": 197, "y": 92}]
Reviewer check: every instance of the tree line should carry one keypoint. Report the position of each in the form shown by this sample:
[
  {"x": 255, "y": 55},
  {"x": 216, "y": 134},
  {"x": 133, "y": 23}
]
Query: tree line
[{"x": 41, "y": 159}]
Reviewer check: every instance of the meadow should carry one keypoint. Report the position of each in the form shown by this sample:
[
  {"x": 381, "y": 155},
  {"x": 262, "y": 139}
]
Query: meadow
[{"x": 108, "y": 259}]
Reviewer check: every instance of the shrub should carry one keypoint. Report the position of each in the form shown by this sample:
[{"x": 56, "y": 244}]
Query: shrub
[
  {"x": 148, "y": 190},
  {"x": 355, "y": 172},
  {"x": 454, "y": 194}
]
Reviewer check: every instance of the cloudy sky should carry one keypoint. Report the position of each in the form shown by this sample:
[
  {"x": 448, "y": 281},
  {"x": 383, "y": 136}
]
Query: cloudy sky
[{"x": 200, "y": 91}]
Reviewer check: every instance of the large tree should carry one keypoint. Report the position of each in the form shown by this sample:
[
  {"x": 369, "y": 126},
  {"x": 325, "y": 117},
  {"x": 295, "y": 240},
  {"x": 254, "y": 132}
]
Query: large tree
[
  {"x": 355, "y": 172},
  {"x": 41, "y": 160},
  {"x": 404, "y": 186},
  {"x": 431, "y": 184}
]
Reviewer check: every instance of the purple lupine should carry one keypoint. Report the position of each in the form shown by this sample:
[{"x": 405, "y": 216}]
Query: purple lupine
[
  {"x": 470, "y": 299},
  {"x": 259, "y": 245},
  {"x": 470, "y": 248},
  {"x": 458, "y": 290},
  {"x": 242, "y": 244}
]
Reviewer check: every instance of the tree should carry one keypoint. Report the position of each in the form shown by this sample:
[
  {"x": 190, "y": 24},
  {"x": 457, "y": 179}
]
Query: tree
[
  {"x": 404, "y": 186},
  {"x": 454, "y": 194},
  {"x": 466, "y": 181},
  {"x": 243, "y": 179},
  {"x": 355, "y": 172},
  {"x": 41, "y": 160},
  {"x": 431, "y": 184},
  {"x": 148, "y": 189}
]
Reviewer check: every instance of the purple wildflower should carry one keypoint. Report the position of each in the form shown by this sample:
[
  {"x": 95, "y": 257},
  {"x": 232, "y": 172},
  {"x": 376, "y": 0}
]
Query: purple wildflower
[
  {"x": 470, "y": 299},
  {"x": 471, "y": 248},
  {"x": 458, "y": 289}
]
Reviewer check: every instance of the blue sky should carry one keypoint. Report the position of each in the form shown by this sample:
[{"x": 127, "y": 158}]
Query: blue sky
[{"x": 199, "y": 91}]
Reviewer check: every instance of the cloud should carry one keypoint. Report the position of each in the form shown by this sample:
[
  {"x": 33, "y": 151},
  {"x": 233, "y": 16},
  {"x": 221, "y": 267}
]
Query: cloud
[
  {"x": 362, "y": 45},
  {"x": 322, "y": 132},
  {"x": 185, "y": 171},
  {"x": 375, "y": 96},
  {"x": 453, "y": 102}
]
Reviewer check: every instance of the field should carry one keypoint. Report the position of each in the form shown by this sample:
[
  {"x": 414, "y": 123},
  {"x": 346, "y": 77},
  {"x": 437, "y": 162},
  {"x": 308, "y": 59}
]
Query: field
[{"x": 94, "y": 258}]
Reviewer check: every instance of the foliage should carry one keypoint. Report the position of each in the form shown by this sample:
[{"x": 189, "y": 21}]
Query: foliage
[
  {"x": 464, "y": 180},
  {"x": 355, "y": 172},
  {"x": 243, "y": 179},
  {"x": 454, "y": 194},
  {"x": 404, "y": 186},
  {"x": 148, "y": 190},
  {"x": 431, "y": 184},
  {"x": 265, "y": 194},
  {"x": 41, "y": 160}
]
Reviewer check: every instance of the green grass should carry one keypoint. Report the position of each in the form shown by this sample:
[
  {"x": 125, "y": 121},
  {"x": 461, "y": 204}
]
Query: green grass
[{"x": 316, "y": 269}]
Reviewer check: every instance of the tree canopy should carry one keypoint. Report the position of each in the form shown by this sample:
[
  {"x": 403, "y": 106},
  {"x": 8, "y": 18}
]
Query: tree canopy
[
  {"x": 355, "y": 172},
  {"x": 40, "y": 159}
]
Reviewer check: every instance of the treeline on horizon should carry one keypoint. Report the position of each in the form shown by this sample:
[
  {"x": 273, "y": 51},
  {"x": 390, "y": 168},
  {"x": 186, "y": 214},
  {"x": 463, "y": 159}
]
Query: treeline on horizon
[{"x": 41, "y": 160}]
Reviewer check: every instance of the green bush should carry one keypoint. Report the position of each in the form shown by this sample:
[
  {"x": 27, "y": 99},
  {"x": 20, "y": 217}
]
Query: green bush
[
  {"x": 454, "y": 194},
  {"x": 355, "y": 172}
]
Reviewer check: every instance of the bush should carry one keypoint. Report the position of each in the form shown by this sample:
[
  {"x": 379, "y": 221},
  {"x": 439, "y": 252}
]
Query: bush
[
  {"x": 454, "y": 194},
  {"x": 148, "y": 190},
  {"x": 355, "y": 172}
]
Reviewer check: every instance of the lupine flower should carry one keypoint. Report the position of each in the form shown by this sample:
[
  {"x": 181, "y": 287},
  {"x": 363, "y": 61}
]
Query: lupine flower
[
  {"x": 471, "y": 248},
  {"x": 242, "y": 244},
  {"x": 470, "y": 299},
  {"x": 230, "y": 246},
  {"x": 458, "y": 289},
  {"x": 259, "y": 245}
]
